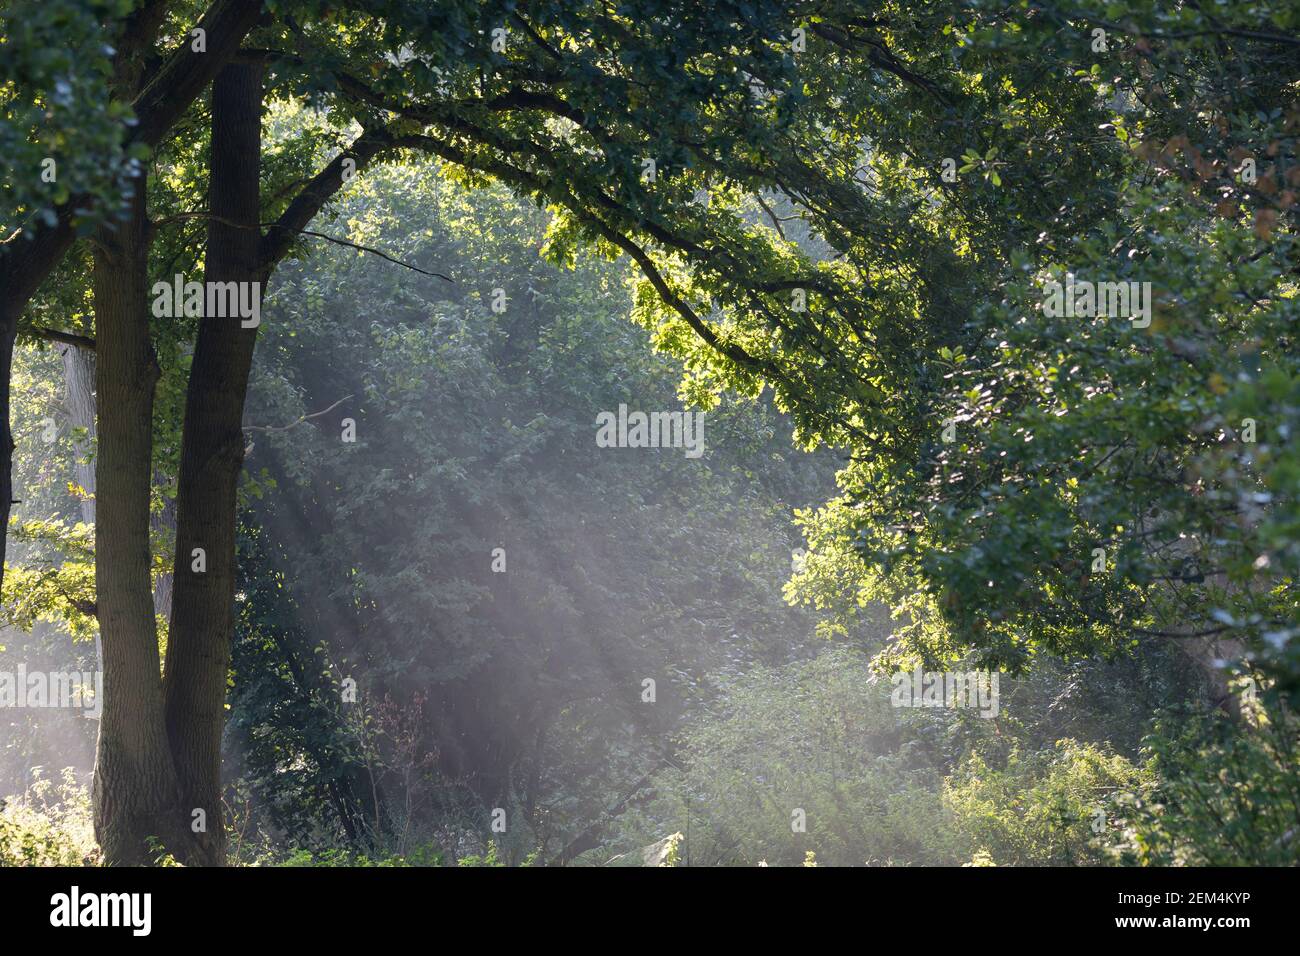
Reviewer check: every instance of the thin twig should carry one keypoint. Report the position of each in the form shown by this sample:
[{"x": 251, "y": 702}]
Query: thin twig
[
  {"x": 302, "y": 232},
  {"x": 776, "y": 222},
  {"x": 357, "y": 245},
  {"x": 294, "y": 424}
]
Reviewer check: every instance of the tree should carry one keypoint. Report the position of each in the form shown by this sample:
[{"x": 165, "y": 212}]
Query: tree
[
  {"x": 815, "y": 196},
  {"x": 430, "y": 50},
  {"x": 51, "y": 216},
  {"x": 1089, "y": 482}
]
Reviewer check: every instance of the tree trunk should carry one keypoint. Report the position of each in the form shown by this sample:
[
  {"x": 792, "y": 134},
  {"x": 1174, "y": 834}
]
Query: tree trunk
[
  {"x": 79, "y": 402},
  {"x": 135, "y": 788},
  {"x": 8, "y": 334},
  {"x": 212, "y": 452}
]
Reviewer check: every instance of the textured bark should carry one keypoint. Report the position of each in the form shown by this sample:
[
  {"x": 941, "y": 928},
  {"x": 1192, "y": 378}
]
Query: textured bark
[
  {"x": 8, "y": 333},
  {"x": 79, "y": 403},
  {"x": 212, "y": 452},
  {"x": 135, "y": 788}
]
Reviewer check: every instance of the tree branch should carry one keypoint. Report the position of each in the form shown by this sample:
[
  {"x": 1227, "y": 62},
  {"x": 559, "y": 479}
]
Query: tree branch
[
  {"x": 186, "y": 73},
  {"x": 374, "y": 251},
  {"x": 298, "y": 421},
  {"x": 312, "y": 198},
  {"x": 57, "y": 335},
  {"x": 181, "y": 216}
]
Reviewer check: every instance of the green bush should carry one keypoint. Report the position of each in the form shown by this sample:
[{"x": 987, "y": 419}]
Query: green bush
[
  {"x": 49, "y": 824},
  {"x": 1043, "y": 808},
  {"x": 420, "y": 856},
  {"x": 1228, "y": 794}
]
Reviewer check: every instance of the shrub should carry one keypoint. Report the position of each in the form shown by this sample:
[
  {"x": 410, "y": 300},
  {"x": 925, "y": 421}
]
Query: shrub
[
  {"x": 49, "y": 824},
  {"x": 1043, "y": 808},
  {"x": 1228, "y": 794}
]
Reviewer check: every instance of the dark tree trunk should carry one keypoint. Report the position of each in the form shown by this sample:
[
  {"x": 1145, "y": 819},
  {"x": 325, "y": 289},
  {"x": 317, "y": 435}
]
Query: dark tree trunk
[
  {"x": 212, "y": 452},
  {"x": 135, "y": 786}
]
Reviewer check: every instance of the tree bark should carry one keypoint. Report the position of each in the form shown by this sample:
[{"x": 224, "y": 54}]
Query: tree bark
[
  {"x": 79, "y": 402},
  {"x": 212, "y": 454},
  {"x": 135, "y": 790},
  {"x": 8, "y": 335}
]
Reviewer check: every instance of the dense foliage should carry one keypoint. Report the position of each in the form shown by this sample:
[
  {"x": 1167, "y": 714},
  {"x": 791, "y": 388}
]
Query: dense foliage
[{"x": 989, "y": 310}]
